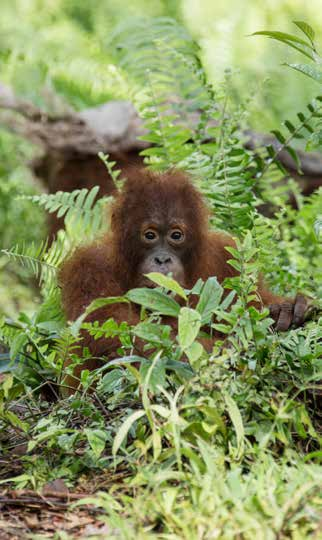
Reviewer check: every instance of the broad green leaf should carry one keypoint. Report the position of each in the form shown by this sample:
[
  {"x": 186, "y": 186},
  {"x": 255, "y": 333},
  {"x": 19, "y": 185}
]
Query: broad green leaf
[
  {"x": 181, "y": 369},
  {"x": 15, "y": 420},
  {"x": 7, "y": 384},
  {"x": 111, "y": 381},
  {"x": 156, "y": 444},
  {"x": 52, "y": 432},
  {"x": 188, "y": 327},
  {"x": 308, "y": 70},
  {"x": 237, "y": 421},
  {"x": 194, "y": 352},
  {"x": 146, "y": 386},
  {"x": 154, "y": 300},
  {"x": 235, "y": 264},
  {"x": 233, "y": 251},
  {"x": 214, "y": 417},
  {"x": 168, "y": 283},
  {"x": 124, "y": 429},
  {"x": 222, "y": 328},
  {"x": 307, "y": 30},
  {"x": 102, "y": 302},
  {"x": 18, "y": 343},
  {"x": 22, "y": 479},
  {"x": 228, "y": 300},
  {"x": 124, "y": 361},
  {"x": 97, "y": 439},
  {"x": 290, "y": 40},
  {"x": 153, "y": 333},
  {"x": 156, "y": 376},
  {"x": 93, "y": 306},
  {"x": 161, "y": 410},
  {"x": 209, "y": 300}
]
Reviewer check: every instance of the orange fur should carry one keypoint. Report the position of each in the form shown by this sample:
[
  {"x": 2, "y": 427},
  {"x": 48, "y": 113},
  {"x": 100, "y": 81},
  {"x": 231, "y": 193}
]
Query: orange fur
[{"x": 108, "y": 267}]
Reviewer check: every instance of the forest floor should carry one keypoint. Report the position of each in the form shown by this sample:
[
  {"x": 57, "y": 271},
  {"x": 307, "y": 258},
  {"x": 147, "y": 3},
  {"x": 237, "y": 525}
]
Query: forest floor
[{"x": 53, "y": 511}]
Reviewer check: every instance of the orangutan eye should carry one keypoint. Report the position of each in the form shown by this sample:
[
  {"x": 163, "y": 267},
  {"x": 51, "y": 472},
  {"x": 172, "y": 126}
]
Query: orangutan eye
[
  {"x": 150, "y": 236},
  {"x": 177, "y": 236}
]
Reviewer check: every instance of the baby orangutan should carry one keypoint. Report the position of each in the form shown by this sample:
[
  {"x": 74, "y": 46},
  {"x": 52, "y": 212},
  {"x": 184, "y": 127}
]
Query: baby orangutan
[{"x": 159, "y": 223}]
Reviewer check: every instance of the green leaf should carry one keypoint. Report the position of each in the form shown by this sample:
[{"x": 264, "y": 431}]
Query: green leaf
[
  {"x": 282, "y": 36},
  {"x": 157, "y": 376},
  {"x": 7, "y": 384},
  {"x": 188, "y": 326},
  {"x": 97, "y": 439},
  {"x": 161, "y": 410},
  {"x": 290, "y": 126},
  {"x": 279, "y": 136},
  {"x": 124, "y": 429},
  {"x": 153, "y": 333},
  {"x": 228, "y": 300},
  {"x": 154, "y": 300},
  {"x": 307, "y": 30},
  {"x": 167, "y": 283},
  {"x": 294, "y": 156},
  {"x": 93, "y": 306},
  {"x": 222, "y": 328},
  {"x": 182, "y": 369},
  {"x": 318, "y": 228},
  {"x": 209, "y": 300},
  {"x": 194, "y": 352},
  {"x": 308, "y": 70},
  {"x": 237, "y": 421},
  {"x": 111, "y": 381},
  {"x": 102, "y": 302},
  {"x": 15, "y": 421},
  {"x": 22, "y": 479},
  {"x": 290, "y": 40},
  {"x": 17, "y": 345}
]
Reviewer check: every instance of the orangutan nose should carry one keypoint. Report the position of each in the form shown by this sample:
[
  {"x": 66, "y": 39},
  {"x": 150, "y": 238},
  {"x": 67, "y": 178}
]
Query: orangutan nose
[{"x": 162, "y": 259}]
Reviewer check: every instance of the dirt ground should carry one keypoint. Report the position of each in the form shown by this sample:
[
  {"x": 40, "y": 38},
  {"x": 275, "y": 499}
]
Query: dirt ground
[{"x": 28, "y": 514}]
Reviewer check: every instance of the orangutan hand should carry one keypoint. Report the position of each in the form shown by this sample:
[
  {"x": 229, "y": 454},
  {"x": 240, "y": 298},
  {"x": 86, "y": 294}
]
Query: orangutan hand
[{"x": 290, "y": 313}]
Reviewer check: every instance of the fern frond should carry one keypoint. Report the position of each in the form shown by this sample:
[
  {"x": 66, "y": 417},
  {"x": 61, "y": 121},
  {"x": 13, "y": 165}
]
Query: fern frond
[
  {"x": 83, "y": 217},
  {"x": 67, "y": 203},
  {"x": 31, "y": 256},
  {"x": 82, "y": 213},
  {"x": 137, "y": 39},
  {"x": 304, "y": 129},
  {"x": 110, "y": 166},
  {"x": 192, "y": 127},
  {"x": 40, "y": 260},
  {"x": 161, "y": 54}
]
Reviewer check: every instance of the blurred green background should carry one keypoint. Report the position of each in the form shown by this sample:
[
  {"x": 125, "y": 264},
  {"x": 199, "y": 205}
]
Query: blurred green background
[
  {"x": 64, "y": 45},
  {"x": 58, "y": 54}
]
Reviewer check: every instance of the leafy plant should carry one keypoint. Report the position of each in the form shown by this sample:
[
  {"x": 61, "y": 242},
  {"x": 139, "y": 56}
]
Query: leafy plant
[
  {"x": 203, "y": 438},
  {"x": 80, "y": 209},
  {"x": 313, "y": 70}
]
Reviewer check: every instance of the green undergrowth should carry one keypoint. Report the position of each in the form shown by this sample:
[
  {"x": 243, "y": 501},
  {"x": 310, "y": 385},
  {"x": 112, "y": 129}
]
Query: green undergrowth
[{"x": 186, "y": 443}]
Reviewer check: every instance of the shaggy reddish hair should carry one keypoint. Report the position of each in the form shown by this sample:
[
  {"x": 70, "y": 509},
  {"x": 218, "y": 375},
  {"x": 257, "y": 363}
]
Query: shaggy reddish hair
[
  {"x": 148, "y": 196},
  {"x": 109, "y": 267}
]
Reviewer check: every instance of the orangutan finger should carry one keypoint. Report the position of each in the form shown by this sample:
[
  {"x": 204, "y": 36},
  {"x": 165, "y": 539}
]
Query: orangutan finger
[
  {"x": 285, "y": 317},
  {"x": 274, "y": 311},
  {"x": 300, "y": 308}
]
